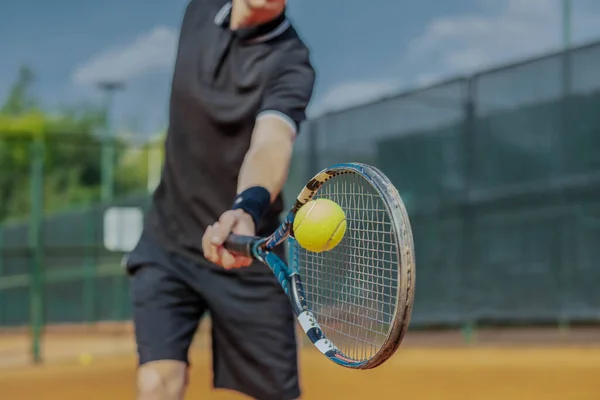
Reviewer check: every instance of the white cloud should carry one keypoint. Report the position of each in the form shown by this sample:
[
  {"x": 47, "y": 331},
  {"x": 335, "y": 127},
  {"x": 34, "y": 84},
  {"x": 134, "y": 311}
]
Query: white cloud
[
  {"x": 517, "y": 29},
  {"x": 149, "y": 52},
  {"x": 349, "y": 94}
]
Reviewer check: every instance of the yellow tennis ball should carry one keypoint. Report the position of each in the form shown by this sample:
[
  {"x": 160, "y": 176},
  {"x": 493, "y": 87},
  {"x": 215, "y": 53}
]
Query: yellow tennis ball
[
  {"x": 319, "y": 225},
  {"x": 85, "y": 359}
]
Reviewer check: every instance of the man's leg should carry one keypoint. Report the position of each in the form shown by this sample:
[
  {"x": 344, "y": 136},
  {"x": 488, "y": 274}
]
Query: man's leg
[
  {"x": 254, "y": 341},
  {"x": 161, "y": 380},
  {"x": 166, "y": 313}
]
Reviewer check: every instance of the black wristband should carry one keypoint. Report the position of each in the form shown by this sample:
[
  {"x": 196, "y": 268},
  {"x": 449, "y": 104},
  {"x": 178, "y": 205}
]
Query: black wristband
[{"x": 254, "y": 201}]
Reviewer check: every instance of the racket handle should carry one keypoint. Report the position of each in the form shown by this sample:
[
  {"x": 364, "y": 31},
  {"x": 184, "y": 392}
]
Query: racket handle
[{"x": 240, "y": 245}]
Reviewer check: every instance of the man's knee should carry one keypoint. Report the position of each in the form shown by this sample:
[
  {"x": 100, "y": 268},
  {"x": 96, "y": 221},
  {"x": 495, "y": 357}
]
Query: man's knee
[{"x": 162, "y": 380}]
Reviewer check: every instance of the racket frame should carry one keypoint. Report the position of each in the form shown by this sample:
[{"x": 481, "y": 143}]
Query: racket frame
[{"x": 288, "y": 275}]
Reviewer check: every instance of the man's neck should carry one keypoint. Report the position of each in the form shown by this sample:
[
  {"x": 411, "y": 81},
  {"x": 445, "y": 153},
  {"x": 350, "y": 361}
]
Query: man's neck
[{"x": 243, "y": 17}]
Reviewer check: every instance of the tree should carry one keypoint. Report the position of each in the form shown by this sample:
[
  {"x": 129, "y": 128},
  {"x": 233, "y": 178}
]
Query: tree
[
  {"x": 71, "y": 157},
  {"x": 20, "y": 100},
  {"x": 72, "y": 153},
  {"x": 140, "y": 166}
]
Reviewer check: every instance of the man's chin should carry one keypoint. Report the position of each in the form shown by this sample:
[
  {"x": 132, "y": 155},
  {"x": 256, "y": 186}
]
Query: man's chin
[{"x": 262, "y": 5}]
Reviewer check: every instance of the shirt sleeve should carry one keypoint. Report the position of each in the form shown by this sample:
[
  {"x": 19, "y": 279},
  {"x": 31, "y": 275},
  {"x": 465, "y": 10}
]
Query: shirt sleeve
[{"x": 290, "y": 89}]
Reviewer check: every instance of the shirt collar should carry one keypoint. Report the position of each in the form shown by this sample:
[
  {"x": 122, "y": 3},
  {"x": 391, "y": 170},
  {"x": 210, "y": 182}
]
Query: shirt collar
[{"x": 256, "y": 34}]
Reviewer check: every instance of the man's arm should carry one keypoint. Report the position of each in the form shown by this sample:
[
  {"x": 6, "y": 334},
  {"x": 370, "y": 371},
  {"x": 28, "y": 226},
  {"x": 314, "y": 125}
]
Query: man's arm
[
  {"x": 283, "y": 110},
  {"x": 265, "y": 167},
  {"x": 268, "y": 159},
  {"x": 262, "y": 176}
]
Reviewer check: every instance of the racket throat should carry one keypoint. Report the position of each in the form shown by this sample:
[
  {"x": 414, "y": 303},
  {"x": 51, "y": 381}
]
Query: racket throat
[{"x": 297, "y": 296}]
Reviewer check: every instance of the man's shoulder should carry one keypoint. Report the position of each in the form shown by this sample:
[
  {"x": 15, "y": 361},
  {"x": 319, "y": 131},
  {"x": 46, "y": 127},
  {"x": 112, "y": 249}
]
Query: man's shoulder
[
  {"x": 292, "y": 39},
  {"x": 292, "y": 49}
]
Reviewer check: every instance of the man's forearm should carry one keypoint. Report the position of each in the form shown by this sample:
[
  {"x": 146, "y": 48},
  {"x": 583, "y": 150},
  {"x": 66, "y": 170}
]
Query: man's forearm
[
  {"x": 268, "y": 160},
  {"x": 266, "y": 165}
]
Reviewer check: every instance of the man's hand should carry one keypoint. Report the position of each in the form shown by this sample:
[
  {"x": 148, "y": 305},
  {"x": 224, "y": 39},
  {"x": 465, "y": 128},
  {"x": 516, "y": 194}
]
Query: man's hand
[{"x": 232, "y": 221}]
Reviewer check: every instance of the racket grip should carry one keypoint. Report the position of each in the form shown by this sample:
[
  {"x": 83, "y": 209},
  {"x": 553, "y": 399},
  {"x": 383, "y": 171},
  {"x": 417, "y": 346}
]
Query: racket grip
[{"x": 240, "y": 245}]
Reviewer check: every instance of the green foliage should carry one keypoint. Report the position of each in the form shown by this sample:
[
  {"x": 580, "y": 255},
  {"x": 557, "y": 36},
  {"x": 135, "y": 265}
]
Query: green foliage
[
  {"x": 139, "y": 167},
  {"x": 72, "y": 154},
  {"x": 71, "y": 160}
]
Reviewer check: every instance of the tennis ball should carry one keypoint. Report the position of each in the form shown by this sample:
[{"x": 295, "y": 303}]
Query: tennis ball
[
  {"x": 85, "y": 359},
  {"x": 319, "y": 225}
]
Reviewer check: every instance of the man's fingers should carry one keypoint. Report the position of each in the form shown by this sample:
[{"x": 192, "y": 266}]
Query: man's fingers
[
  {"x": 242, "y": 262},
  {"x": 223, "y": 228},
  {"x": 210, "y": 251},
  {"x": 229, "y": 260},
  {"x": 214, "y": 238},
  {"x": 226, "y": 259},
  {"x": 245, "y": 261}
]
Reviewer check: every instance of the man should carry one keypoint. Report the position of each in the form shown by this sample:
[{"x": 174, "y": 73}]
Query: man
[{"x": 240, "y": 88}]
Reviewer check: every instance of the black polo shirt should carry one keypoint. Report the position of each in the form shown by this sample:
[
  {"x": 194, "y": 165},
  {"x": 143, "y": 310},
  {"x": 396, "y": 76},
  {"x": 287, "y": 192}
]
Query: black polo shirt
[{"x": 223, "y": 81}]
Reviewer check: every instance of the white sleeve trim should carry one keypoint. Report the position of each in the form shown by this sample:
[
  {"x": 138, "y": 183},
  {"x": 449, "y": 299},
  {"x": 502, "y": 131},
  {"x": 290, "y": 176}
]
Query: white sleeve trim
[{"x": 281, "y": 116}]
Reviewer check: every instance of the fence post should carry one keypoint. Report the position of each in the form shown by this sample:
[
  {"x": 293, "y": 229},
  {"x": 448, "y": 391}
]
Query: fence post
[
  {"x": 1, "y": 273},
  {"x": 466, "y": 212},
  {"x": 565, "y": 267},
  {"x": 89, "y": 285},
  {"x": 36, "y": 246},
  {"x": 120, "y": 295},
  {"x": 107, "y": 168}
]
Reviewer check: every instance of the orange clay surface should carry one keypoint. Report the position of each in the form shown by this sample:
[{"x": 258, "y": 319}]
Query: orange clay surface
[{"x": 100, "y": 366}]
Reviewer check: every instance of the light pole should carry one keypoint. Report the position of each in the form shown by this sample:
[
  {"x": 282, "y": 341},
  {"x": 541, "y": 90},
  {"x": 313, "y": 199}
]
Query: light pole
[{"x": 108, "y": 141}]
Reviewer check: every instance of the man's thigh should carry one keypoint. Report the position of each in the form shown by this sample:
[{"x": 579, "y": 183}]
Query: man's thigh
[
  {"x": 254, "y": 342},
  {"x": 166, "y": 312}
]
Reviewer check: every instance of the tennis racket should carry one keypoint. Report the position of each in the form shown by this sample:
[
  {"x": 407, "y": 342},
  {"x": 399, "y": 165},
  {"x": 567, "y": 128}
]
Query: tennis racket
[{"x": 354, "y": 302}]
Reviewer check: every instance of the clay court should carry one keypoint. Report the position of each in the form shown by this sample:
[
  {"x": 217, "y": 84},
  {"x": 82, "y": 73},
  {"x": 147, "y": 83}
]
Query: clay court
[{"x": 98, "y": 363}]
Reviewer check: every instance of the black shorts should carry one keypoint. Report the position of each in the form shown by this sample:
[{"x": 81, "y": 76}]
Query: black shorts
[{"x": 253, "y": 326}]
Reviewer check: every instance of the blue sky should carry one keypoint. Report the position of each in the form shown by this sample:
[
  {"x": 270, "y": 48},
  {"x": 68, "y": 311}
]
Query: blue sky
[{"x": 361, "y": 50}]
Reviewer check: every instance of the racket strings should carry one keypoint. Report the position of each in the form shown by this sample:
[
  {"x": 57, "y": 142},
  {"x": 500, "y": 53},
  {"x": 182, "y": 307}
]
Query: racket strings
[{"x": 352, "y": 289}]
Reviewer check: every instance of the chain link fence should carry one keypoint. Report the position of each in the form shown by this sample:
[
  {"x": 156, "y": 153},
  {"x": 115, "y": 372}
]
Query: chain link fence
[{"x": 500, "y": 172}]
